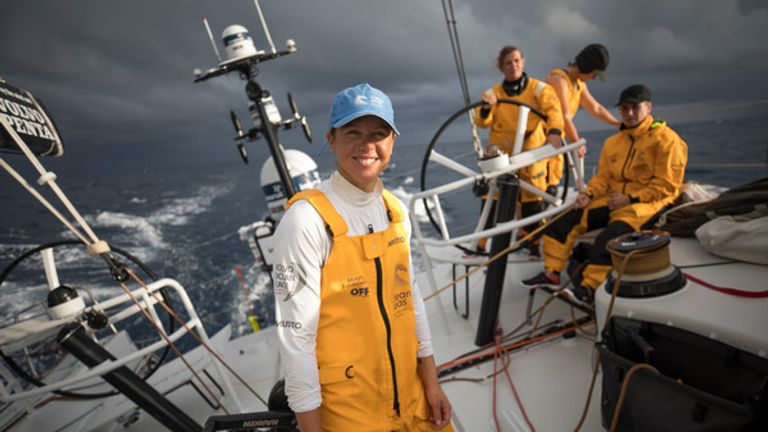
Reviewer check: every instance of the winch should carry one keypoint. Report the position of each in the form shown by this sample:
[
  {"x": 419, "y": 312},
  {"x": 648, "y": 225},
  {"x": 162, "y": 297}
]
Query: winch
[{"x": 647, "y": 271}]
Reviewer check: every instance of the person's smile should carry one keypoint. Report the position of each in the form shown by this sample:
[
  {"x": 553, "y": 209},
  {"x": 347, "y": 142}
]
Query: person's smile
[{"x": 363, "y": 148}]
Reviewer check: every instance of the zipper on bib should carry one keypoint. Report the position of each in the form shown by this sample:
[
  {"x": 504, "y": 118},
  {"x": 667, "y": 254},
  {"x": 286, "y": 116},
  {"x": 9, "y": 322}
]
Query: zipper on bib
[{"x": 383, "y": 311}]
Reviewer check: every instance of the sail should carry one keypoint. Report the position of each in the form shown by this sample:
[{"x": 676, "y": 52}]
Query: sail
[{"x": 26, "y": 115}]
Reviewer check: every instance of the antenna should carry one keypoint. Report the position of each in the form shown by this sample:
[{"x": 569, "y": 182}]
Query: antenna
[
  {"x": 210, "y": 36},
  {"x": 264, "y": 24},
  {"x": 243, "y": 57}
]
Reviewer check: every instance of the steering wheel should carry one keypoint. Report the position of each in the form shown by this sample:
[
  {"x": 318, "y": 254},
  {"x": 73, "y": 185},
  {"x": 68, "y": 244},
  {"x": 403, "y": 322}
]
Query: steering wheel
[
  {"x": 44, "y": 353},
  {"x": 463, "y": 157}
]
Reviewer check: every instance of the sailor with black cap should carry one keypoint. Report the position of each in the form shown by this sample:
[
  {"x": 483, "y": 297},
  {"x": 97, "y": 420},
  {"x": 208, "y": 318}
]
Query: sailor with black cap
[
  {"x": 640, "y": 171},
  {"x": 570, "y": 84}
]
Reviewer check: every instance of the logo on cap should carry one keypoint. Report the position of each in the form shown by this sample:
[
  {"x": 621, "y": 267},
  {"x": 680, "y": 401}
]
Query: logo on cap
[
  {"x": 364, "y": 100},
  {"x": 358, "y": 101}
]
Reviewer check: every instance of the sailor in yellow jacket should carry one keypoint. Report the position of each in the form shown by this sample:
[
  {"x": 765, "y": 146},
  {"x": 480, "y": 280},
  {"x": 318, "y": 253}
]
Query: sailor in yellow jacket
[
  {"x": 570, "y": 85},
  {"x": 640, "y": 171},
  {"x": 502, "y": 119},
  {"x": 352, "y": 329}
]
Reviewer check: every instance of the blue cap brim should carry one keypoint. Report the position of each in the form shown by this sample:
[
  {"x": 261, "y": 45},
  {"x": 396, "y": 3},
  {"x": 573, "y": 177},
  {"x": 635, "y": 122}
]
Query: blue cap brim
[{"x": 344, "y": 120}]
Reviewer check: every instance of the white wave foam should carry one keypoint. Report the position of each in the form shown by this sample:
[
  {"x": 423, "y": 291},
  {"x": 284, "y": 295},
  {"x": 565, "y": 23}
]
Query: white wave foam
[
  {"x": 10, "y": 251},
  {"x": 405, "y": 196},
  {"x": 147, "y": 231},
  {"x": 17, "y": 297},
  {"x": 179, "y": 210},
  {"x": 150, "y": 233},
  {"x": 68, "y": 256},
  {"x": 105, "y": 292}
]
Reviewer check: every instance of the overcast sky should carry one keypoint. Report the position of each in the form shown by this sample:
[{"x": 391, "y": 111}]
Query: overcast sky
[{"x": 118, "y": 74}]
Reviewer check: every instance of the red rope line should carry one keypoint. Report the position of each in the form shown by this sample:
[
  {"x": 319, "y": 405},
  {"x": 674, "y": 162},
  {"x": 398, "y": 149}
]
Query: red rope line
[
  {"x": 239, "y": 274},
  {"x": 496, "y": 355},
  {"x": 517, "y": 398},
  {"x": 505, "y": 348},
  {"x": 730, "y": 291}
]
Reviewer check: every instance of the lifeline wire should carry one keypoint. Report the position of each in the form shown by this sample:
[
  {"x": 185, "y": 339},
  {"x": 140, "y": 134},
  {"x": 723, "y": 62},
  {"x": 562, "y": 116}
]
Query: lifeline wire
[
  {"x": 503, "y": 253},
  {"x": 170, "y": 343},
  {"x": 95, "y": 246},
  {"x": 197, "y": 338}
]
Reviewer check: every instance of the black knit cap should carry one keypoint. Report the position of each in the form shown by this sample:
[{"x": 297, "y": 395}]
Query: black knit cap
[
  {"x": 635, "y": 94},
  {"x": 594, "y": 57}
]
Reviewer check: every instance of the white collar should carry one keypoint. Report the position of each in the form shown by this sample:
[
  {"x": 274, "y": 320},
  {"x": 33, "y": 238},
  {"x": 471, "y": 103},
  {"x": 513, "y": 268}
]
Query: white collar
[{"x": 353, "y": 195}]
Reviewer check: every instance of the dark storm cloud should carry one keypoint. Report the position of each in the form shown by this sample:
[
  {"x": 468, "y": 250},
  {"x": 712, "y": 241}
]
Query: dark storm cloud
[
  {"x": 688, "y": 50},
  {"x": 119, "y": 73}
]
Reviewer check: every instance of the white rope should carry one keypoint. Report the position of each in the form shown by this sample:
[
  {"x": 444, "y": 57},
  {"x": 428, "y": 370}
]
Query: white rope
[
  {"x": 476, "y": 142},
  {"x": 48, "y": 178},
  {"x": 42, "y": 200}
]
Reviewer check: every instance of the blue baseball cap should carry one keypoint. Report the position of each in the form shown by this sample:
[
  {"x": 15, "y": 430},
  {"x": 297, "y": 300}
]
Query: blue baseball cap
[{"x": 358, "y": 101}]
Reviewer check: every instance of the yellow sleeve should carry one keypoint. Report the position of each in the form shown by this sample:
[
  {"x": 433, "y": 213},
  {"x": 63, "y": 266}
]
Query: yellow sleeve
[
  {"x": 488, "y": 121},
  {"x": 668, "y": 170},
  {"x": 598, "y": 184},
  {"x": 549, "y": 104},
  {"x": 484, "y": 122}
]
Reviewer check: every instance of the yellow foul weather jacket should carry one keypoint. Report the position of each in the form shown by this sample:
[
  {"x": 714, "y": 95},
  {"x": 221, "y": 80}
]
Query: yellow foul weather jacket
[
  {"x": 646, "y": 163},
  {"x": 503, "y": 119}
]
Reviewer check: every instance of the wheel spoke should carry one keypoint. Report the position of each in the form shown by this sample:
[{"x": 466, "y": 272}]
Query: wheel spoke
[
  {"x": 451, "y": 158},
  {"x": 449, "y": 163}
]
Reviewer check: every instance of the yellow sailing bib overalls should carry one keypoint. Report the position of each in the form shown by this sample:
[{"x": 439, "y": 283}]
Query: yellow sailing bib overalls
[
  {"x": 556, "y": 165},
  {"x": 366, "y": 337}
]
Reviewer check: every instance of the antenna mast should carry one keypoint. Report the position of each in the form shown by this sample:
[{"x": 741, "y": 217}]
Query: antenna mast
[
  {"x": 264, "y": 25},
  {"x": 210, "y": 37}
]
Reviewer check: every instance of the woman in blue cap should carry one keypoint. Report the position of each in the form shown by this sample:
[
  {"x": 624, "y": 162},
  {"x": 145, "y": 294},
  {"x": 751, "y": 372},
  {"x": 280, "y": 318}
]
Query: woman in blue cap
[{"x": 352, "y": 329}]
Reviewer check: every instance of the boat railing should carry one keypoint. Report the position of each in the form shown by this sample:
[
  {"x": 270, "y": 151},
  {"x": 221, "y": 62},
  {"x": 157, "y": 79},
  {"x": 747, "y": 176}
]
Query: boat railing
[
  {"x": 18, "y": 336},
  {"x": 431, "y": 199}
]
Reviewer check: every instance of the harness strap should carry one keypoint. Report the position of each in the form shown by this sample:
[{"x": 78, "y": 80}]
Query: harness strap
[
  {"x": 320, "y": 202},
  {"x": 394, "y": 211},
  {"x": 333, "y": 220}
]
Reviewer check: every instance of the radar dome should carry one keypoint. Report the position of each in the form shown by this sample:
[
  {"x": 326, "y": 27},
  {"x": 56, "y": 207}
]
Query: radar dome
[
  {"x": 237, "y": 42},
  {"x": 303, "y": 172}
]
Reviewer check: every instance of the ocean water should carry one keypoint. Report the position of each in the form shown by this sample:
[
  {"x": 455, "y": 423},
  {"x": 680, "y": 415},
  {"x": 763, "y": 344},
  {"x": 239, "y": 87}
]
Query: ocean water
[{"x": 183, "y": 221}]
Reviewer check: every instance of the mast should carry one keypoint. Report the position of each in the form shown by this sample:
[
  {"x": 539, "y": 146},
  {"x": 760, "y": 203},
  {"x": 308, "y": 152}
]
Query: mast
[{"x": 240, "y": 55}]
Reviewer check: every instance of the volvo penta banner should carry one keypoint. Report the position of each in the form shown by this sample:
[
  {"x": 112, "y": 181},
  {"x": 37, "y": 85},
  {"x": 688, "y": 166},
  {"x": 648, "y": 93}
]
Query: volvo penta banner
[{"x": 27, "y": 116}]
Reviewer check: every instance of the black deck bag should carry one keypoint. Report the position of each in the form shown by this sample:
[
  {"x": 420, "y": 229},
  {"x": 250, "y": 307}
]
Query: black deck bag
[{"x": 703, "y": 385}]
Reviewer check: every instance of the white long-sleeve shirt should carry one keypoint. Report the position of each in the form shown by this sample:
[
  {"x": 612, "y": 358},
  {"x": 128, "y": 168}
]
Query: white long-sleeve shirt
[{"x": 302, "y": 246}]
